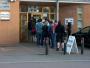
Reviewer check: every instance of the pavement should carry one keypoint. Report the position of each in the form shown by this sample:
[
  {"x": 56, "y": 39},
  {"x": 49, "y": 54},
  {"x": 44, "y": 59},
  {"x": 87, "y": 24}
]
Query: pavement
[
  {"x": 28, "y": 55},
  {"x": 29, "y": 52}
]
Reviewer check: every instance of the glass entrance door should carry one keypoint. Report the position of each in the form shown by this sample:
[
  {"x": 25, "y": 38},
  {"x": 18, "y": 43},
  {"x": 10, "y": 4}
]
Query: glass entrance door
[{"x": 23, "y": 27}]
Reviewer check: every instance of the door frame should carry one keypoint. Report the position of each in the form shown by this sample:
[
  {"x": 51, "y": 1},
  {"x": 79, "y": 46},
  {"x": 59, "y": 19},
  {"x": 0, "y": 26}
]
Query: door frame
[
  {"x": 32, "y": 14},
  {"x": 20, "y": 26}
]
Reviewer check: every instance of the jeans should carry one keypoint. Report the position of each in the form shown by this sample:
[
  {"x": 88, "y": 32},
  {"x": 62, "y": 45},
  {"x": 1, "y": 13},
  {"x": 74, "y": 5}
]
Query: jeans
[
  {"x": 39, "y": 37},
  {"x": 53, "y": 40}
]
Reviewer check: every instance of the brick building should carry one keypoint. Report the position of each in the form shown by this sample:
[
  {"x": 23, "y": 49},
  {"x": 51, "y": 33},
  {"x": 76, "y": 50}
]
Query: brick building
[{"x": 15, "y": 15}]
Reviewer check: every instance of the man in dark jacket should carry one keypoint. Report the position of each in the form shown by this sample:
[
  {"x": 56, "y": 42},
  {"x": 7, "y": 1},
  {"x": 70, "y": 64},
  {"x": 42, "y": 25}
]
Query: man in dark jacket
[
  {"x": 60, "y": 30},
  {"x": 44, "y": 31},
  {"x": 69, "y": 26}
]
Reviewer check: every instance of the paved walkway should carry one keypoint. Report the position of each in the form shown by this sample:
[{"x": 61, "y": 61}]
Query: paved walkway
[{"x": 27, "y": 52}]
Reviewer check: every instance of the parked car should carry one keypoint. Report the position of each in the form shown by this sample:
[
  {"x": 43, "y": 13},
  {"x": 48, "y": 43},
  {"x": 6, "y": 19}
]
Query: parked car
[{"x": 83, "y": 33}]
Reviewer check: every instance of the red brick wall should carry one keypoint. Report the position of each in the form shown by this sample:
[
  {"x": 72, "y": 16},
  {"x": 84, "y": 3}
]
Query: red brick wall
[
  {"x": 9, "y": 30},
  {"x": 67, "y": 11},
  {"x": 70, "y": 10},
  {"x": 86, "y": 15}
]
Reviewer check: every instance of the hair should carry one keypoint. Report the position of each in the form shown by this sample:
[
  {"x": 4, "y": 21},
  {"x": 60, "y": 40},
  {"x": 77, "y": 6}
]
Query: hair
[
  {"x": 69, "y": 25},
  {"x": 59, "y": 22},
  {"x": 39, "y": 20},
  {"x": 50, "y": 22}
]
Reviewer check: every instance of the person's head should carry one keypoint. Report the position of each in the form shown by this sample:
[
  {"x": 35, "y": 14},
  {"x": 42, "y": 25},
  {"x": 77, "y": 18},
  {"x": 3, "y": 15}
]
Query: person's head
[
  {"x": 51, "y": 22},
  {"x": 46, "y": 19},
  {"x": 59, "y": 22},
  {"x": 69, "y": 24},
  {"x": 39, "y": 20}
]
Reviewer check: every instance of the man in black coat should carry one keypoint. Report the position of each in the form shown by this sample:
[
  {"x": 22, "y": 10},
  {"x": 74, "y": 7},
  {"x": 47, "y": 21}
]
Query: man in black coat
[{"x": 60, "y": 30}]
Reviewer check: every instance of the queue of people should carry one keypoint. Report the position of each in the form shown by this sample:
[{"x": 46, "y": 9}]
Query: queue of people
[
  {"x": 50, "y": 32},
  {"x": 47, "y": 29}
]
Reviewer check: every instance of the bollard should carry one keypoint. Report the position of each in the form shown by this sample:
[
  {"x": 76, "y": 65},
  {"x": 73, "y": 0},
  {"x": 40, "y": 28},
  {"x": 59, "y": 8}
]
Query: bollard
[
  {"x": 65, "y": 41},
  {"x": 46, "y": 50},
  {"x": 82, "y": 45},
  {"x": 46, "y": 47},
  {"x": 64, "y": 48}
]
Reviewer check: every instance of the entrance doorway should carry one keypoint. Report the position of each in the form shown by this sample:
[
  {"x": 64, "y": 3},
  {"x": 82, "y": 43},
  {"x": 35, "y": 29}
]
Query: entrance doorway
[
  {"x": 37, "y": 15},
  {"x": 36, "y": 10},
  {"x": 26, "y": 24},
  {"x": 23, "y": 27}
]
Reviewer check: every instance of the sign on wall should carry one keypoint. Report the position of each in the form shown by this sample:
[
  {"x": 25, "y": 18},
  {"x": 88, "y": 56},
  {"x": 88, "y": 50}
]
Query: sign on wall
[
  {"x": 4, "y": 5},
  {"x": 69, "y": 20},
  {"x": 4, "y": 15}
]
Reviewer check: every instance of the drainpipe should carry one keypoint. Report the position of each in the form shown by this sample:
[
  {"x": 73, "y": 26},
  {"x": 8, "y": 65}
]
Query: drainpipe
[{"x": 57, "y": 10}]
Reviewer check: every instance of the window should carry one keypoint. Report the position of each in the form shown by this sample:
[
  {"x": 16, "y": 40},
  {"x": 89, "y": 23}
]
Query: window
[
  {"x": 46, "y": 10},
  {"x": 80, "y": 17},
  {"x": 52, "y": 10},
  {"x": 52, "y": 16},
  {"x": 24, "y": 8}
]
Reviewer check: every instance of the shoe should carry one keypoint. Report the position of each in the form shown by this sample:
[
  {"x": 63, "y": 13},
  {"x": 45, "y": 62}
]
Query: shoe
[{"x": 57, "y": 49}]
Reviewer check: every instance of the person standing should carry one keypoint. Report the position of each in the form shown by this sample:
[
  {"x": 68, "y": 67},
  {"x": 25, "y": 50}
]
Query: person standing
[
  {"x": 50, "y": 34},
  {"x": 29, "y": 29},
  {"x": 39, "y": 31},
  {"x": 53, "y": 35},
  {"x": 45, "y": 33},
  {"x": 60, "y": 30},
  {"x": 69, "y": 26}
]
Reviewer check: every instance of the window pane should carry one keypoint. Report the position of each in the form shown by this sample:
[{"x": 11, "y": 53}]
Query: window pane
[
  {"x": 24, "y": 8},
  {"x": 52, "y": 9},
  {"x": 46, "y": 10}
]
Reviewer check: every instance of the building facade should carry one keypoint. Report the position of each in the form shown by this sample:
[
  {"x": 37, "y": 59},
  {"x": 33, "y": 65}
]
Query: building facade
[{"x": 15, "y": 15}]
